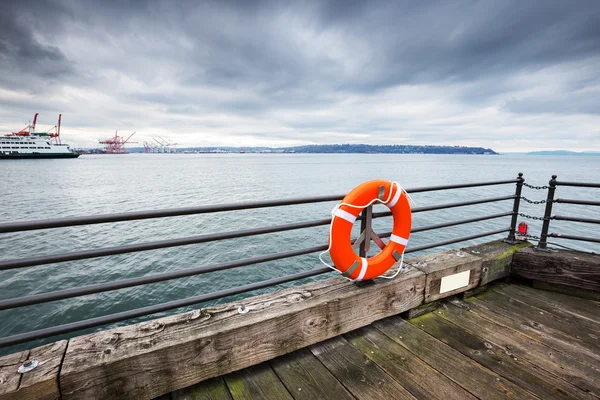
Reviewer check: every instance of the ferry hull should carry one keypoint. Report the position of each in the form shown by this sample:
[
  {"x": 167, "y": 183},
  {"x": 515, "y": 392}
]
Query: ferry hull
[{"x": 40, "y": 155}]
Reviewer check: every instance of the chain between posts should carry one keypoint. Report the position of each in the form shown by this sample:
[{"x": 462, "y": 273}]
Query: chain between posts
[
  {"x": 535, "y": 201},
  {"x": 535, "y": 218},
  {"x": 536, "y": 187}
]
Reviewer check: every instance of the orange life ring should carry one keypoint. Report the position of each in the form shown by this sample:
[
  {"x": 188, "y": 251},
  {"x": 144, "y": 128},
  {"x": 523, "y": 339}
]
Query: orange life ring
[{"x": 342, "y": 254}]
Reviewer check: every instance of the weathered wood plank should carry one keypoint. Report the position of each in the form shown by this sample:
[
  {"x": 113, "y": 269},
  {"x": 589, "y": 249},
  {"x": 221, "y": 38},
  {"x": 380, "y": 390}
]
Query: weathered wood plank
[
  {"x": 417, "y": 377},
  {"x": 422, "y": 309},
  {"x": 499, "y": 359},
  {"x": 568, "y": 290},
  {"x": 256, "y": 382},
  {"x": 568, "y": 268},
  {"x": 42, "y": 382},
  {"x": 474, "y": 292},
  {"x": 152, "y": 358},
  {"x": 522, "y": 347},
  {"x": 497, "y": 258},
  {"x": 306, "y": 378},
  {"x": 469, "y": 374},
  {"x": 211, "y": 389},
  {"x": 548, "y": 327},
  {"x": 440, "y": 265},
  {"x": 363, "y": 378},
  {"x": 557, "y": 303},
  {"x": 9, "y": 377}
]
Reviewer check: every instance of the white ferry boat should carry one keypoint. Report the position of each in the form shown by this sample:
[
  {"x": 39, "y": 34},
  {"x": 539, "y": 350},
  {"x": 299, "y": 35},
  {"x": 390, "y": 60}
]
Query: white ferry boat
[{"x": 30, "y": 144}]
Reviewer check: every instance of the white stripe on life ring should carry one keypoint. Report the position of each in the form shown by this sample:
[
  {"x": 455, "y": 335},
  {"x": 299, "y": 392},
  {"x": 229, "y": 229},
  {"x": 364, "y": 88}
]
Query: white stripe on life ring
[
  {"x": 363, "y": 269},
  {"x": 345, "y": 215},
  {"x": 399, "y": 240},
  {"x": 392, "y": 203}
]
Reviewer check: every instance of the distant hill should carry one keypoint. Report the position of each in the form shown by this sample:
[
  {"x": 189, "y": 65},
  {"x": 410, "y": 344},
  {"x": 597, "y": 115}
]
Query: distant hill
[
  {"x": 389, "y": 149},
  {"x": 337, "y": 148},
  {"x": 562, "y": 153}
]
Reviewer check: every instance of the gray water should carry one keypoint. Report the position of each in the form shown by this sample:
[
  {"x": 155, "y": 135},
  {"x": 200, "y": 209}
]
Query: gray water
[{"x": 98, "y": 184}]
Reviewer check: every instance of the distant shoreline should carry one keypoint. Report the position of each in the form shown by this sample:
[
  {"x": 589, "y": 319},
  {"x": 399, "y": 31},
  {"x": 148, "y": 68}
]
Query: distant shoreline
[{"x": 331, "y": 149}]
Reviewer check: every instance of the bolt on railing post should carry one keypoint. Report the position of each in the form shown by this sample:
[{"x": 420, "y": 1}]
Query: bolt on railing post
[
  {"x": 513, "y": 223},
  {"x": 547, "y": 214}
]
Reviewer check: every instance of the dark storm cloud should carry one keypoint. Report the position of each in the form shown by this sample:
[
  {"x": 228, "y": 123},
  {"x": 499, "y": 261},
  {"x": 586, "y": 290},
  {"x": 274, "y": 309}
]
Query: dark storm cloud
[{"x": 304, "y": 70}]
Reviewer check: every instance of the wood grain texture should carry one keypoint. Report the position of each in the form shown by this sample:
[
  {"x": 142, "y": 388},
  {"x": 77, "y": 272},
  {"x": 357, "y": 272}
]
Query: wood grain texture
[
  {"x": 152, "y": 358},
  {"x": 568, "y": 290},
  {"x": 496, "y": 258},
  {"x": 473, "y": 292},
  {"x": 565, "y": 334},
  {"x": 557, "y": 303},
  {"x": 306, "y": 378},
  {"x": 444, "y": 264},
  {"x": 521, "y": 347},
  {"x": 420, "y": 379},
  {"x": 39, "y": 384},
  {"x": 466, "y": 372},
  {"x": 422, "y": 309},
  {"x": 42, "y": 382},
  {"x": 567, "y": 268},
  {"x": 256, "y": 382},
  {"x": 499, "y": 359},
  {"x": 9, "y": 377},
  {"x": 211, "y": 389},
  {"x": 361, "y": 376}
]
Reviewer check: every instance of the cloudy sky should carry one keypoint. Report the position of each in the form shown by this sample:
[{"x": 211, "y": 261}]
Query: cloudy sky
[{"x": 510, "y": 75}]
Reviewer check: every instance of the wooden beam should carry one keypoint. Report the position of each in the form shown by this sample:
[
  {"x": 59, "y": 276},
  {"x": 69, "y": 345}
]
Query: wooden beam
[
  {"x": 9, "y": 377},
  {"x": 149, "y": 359},
  {"x": 40, "y": 383},
  {"x": 567, "y": 269},
  {"x": 497, "y": 258},
  {"x": 441, "y": 266}
]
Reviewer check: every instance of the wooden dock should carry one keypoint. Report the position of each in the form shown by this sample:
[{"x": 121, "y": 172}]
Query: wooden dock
[
  {"x": 449, "y": 328},
  {"x": 511, "y": 341}
]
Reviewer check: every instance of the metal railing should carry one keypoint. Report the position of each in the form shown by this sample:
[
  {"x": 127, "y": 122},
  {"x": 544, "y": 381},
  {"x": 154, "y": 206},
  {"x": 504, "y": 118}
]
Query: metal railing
[
  {"x": 550, "y": 200},
  {"x": 20, "y": 226}
]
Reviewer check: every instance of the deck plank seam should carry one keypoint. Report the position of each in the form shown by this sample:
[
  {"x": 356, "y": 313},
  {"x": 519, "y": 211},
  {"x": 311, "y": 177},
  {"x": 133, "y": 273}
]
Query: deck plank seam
[
  {"x": 441, "y": 372},
  {"x": 577, "y": 341},
  {"x": 310, "y": 348},
  {"x": 567, "y": 309},
  {"x": 522, "y": 359},
  {"x": 319, "y": 361},
  {"x": 384, "y": 369},
  {"x": 341, "y": 337},
  {"x": 60, "y": 365},
  {"x": 268, "y": 364}
]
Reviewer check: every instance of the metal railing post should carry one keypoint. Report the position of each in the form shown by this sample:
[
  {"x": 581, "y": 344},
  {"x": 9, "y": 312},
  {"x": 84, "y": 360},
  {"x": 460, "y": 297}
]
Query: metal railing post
[
  {"x": 542, "y": 244},
  {"x": 365, "y": 229},
  {"x": 513, "y": 223}
]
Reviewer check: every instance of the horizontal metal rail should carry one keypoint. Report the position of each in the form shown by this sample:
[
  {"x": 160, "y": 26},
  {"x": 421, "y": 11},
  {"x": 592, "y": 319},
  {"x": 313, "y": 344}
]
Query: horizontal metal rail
[
  {"x": 456, "y": 240},
  {"x": 578, "y": 184},
  {"x": 576, "y": 219},
  {"x": 144, "y": 280},
  {"x": 149, "y": 310},
  {"x": 161, "y": 244},
  {"x": 139, "y": 312},
  {"x": 19, "y": 226},
  {"x": 572, "y": 237},
  {"x": 581, "y": 202},
  {"x": 448, "y": 205}
]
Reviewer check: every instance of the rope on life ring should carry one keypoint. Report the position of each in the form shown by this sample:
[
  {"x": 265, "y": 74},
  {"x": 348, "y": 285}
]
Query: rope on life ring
[{"x": 345, "y": 260}]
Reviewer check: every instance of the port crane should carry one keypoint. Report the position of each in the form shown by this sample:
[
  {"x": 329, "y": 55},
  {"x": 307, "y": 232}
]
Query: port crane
[{"x": 116, "y": 144}]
